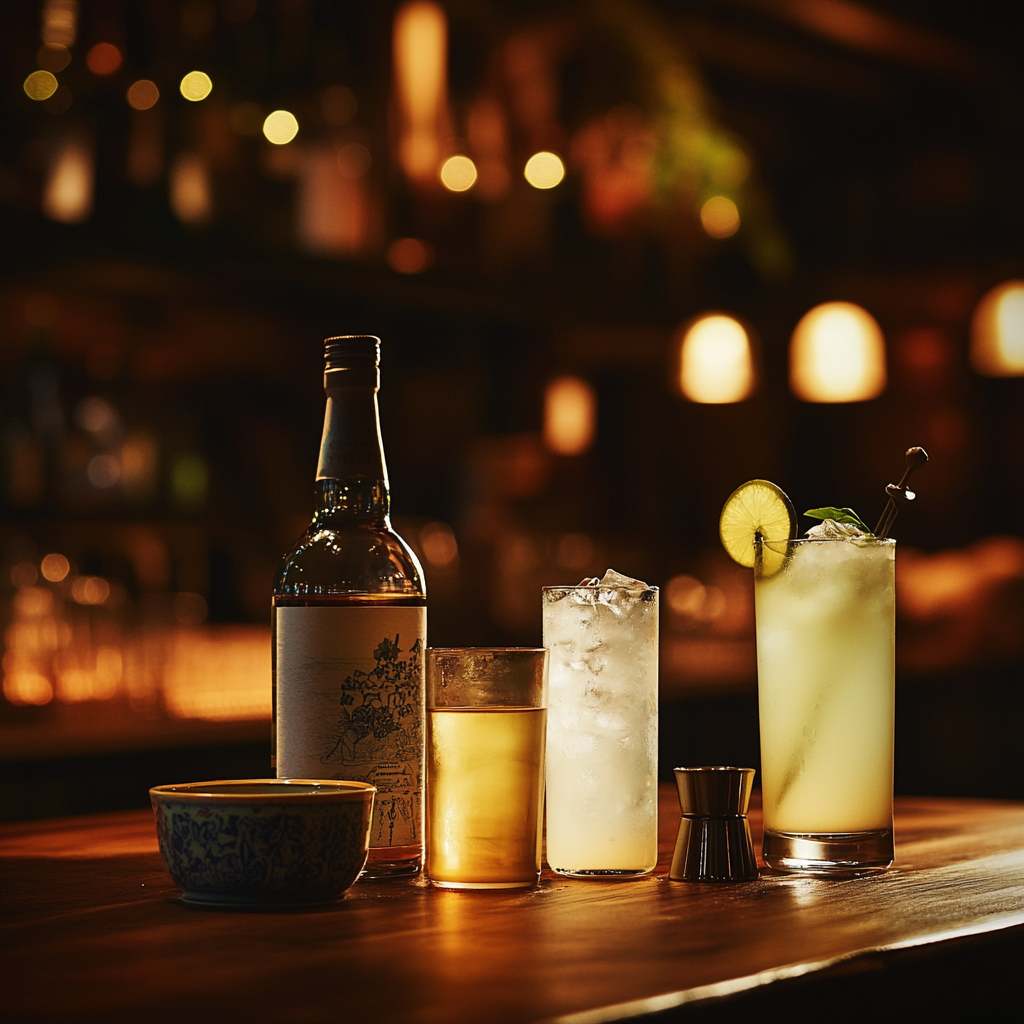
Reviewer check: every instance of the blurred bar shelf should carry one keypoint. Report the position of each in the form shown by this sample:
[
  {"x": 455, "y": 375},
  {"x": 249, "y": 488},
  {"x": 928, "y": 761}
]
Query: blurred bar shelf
[
  {"x": 82, "y": 730},
  {"x": 707, "y": 666}
]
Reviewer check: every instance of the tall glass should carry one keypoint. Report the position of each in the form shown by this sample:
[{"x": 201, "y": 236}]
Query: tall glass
[
  {"x": 486, "y": 725},
  {"x": 602, "y": 772},
  {"x": 825, "y": 613}
]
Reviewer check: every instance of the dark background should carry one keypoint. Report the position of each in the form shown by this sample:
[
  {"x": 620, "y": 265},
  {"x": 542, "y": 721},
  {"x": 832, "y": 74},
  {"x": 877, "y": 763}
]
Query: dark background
[{"x": 886, "y": 151}]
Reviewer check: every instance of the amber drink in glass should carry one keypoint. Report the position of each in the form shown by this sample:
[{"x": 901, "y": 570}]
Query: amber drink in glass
[{"x": 486, "y": 719}]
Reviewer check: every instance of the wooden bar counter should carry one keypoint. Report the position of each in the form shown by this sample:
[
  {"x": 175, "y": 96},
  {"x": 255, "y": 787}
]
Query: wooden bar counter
[{"x": 92, "y": 930}]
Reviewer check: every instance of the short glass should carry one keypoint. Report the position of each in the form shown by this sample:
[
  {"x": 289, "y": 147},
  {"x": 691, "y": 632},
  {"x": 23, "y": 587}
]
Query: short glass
[
  {"x": 825, "y": 620},
  {"x": 486, "y": 727},
  {"x": 602, "y": 761}
]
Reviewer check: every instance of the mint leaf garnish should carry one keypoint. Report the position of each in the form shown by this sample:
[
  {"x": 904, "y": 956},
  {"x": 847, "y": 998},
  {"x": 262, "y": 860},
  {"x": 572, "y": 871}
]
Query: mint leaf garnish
[{"x": 840, "y": 515}]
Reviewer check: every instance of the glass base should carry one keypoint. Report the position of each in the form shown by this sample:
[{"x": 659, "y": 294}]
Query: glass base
[
  {"x": 838, "y": 854},
  {"x": 383, "y": 862},
  {"x": 444, "y": 884},
  {"x": 610, "y": 874}
]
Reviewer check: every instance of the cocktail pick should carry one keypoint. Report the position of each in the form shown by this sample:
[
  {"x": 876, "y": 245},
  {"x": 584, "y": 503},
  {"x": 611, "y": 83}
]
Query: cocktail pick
[{"x": 900, "y": 494}]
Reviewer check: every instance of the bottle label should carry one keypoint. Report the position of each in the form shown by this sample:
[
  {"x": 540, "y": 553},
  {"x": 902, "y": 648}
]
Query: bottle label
[{"x": 350, "y": 706}]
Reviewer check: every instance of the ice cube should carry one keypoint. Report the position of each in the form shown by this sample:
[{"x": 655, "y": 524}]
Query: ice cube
[
  {"x": 576, "y": 744},
  {"x": 620, "y": 593},
  {"x": 829, "y": 529},
  {"x": 615, "y": 579},
  {"x": 609, "y": 720}
]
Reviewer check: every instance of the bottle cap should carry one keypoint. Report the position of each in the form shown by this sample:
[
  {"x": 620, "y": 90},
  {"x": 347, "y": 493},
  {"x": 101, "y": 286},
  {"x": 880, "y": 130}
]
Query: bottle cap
[{"x": 352, "y": 361}]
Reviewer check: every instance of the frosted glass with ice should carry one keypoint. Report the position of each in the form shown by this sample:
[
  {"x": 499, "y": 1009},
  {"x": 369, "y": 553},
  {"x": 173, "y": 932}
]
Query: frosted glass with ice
[{"x": 602, "y": 726}]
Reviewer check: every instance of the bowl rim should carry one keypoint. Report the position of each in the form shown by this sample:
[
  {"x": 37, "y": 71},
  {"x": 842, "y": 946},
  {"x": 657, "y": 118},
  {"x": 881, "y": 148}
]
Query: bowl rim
[{"x": 327, "y": 789}]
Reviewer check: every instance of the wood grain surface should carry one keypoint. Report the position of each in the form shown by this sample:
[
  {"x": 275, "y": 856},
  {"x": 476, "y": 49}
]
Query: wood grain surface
[{"x": 92, "y": 930}]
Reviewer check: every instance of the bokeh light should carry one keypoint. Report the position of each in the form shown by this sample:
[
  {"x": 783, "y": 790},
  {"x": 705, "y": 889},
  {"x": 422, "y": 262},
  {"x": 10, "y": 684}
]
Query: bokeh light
[
  {"x": 335, "y": 212},
  {"x": 21, "y": 687},
  {"x": 997, "y": 332},
  {"x": 280, "y": 127},
  {"x": 90, "y": 590},
  {"x": 55, "y": 567},
  {"x": 684, "y": 595},
  {"x": 410, "y": 255},
  {"x": 440, "y": 548},
  {"x": 420, "y": 63},
  {"x": 690, "y": 599},
  {"x": 720, "y": 217},
  {"x": 40, "y": 85},
  {"x": 570, "y": 416},
  {"x": 24, "y": 574},
  {"x": 103, "y": 59},
  {"x": 353, "y": 160},
  {"x": 458, "y": 174},
  {"x": 544, "y": 170},
  {"x": 139, "y": 467},
  {"x": 103, "y": 471},
  {"x": 96, "y": 415},
  {"x": 196, "y": 86},
  {"x": 218, "y": 674},
  {"x": 60, "y": 22},
  {"x": 143, "y": 94},
  {"x": 67, "y": 196},
  {"x": 191, "y": 191},
  {"x": 75, "y": 684},
  {"x": 716, "y": 365},
  {"x": 837, "y": 354},
  {"x": 53, "y": 58}
]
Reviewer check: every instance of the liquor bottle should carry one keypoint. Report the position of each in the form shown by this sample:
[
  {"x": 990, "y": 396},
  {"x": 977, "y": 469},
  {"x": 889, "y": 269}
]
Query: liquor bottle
[{"x": 349, "y": 625}]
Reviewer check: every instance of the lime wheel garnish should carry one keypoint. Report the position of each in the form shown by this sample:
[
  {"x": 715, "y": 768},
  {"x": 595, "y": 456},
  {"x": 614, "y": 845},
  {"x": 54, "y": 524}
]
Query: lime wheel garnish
[{"x": 757, "y": 507}]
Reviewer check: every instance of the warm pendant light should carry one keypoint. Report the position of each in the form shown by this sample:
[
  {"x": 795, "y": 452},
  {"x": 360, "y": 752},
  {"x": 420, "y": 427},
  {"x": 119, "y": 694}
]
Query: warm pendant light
[
  {"x": 570, "y": 416},
  {"x": 716, "y": 365},
  {"x": 837, "y": 354},
  {"x": 997, "y": 332},
  {"x": 420, "y": 59}
]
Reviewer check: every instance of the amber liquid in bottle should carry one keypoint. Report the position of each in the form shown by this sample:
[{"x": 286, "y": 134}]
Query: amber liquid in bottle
[{"x": 349, "y": 626}]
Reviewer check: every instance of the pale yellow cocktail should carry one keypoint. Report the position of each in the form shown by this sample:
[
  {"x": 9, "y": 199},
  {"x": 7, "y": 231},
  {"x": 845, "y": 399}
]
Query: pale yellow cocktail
[{"x": 826, "y": 682}]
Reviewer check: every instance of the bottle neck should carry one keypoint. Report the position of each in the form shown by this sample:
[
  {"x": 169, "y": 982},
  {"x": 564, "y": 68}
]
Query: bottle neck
[{"x": 351, "y": 477}]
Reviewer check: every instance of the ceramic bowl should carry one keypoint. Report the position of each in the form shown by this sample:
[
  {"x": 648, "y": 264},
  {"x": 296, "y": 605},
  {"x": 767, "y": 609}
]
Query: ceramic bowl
[{"x": 257, "y": 842}]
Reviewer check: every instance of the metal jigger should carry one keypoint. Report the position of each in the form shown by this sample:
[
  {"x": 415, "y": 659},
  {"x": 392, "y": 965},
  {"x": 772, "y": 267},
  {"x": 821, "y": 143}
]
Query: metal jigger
[{"x": 713, "y": 843}]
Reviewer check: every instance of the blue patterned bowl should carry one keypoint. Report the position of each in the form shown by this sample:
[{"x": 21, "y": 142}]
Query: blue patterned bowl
[{"x": 257, "y": 842}]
